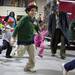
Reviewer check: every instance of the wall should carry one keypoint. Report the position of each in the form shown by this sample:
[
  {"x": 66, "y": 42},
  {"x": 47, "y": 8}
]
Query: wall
[{"x": 5, "y": 10}]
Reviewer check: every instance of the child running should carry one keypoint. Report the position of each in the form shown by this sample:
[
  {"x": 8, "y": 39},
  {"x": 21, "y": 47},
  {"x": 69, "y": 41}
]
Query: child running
[
  {"x": 39, "y": 38},
  {"x": 7, "y": 38}
]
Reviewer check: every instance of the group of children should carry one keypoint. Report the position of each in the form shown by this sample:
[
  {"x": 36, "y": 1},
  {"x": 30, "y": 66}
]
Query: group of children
[
  {"x": 39, "y": 38},
  {"x": 39, "y": 41}
]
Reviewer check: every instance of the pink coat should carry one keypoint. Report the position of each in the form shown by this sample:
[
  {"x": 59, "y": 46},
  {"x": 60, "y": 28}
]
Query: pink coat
[{"x": 39, "y": 38}]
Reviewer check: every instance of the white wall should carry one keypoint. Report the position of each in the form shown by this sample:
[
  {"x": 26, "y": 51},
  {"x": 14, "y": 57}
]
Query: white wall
[{"x": 5, "y": 10}]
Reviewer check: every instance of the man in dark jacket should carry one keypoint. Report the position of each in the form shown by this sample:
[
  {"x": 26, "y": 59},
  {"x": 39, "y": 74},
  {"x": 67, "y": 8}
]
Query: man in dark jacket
[{"x": 57, "y": 27}]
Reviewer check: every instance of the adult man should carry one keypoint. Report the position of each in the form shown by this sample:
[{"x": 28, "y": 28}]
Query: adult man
[{"x": 58, "y": 26}]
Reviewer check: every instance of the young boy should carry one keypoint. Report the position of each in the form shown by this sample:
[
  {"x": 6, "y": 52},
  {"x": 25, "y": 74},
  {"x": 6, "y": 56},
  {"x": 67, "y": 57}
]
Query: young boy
[
  {"x": 25, "y": 40},
  {"x": 7, "y": 37}
]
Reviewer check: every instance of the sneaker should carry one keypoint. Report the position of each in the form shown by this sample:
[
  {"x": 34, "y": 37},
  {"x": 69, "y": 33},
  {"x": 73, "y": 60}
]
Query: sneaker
[
  {"x": 26, "y": 69},
  {"x": 30, "y": 70},
  {"x": 8, "y": 56},
  {"x": 33, "y": 70},
  {"x": 40, "y": 55},
  {"x": 0, "y": 51},
  {"x": 53, "y": 55},
  {"x": 62, "y": 57},
  {"x": 64, "y": 71}
]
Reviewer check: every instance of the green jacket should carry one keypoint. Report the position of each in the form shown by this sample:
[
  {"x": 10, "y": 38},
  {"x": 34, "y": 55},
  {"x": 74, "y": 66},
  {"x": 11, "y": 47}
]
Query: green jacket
[{"x": 25, "y": 30}]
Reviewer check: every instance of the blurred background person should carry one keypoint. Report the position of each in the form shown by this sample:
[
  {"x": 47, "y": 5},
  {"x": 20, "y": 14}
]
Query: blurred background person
[
  {"x": 57, "y": 27},
  {"x": 11, "y": 14},
  {"x": 7, "y": 38}
]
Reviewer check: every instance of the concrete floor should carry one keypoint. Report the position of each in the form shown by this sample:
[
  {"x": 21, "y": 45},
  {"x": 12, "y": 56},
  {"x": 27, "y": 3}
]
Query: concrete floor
[{"x": 47, "y": 65}]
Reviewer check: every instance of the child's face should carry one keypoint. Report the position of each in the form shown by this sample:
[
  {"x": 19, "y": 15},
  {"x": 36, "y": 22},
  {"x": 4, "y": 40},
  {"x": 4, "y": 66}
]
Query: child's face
[
  {"x": 10, "y": 23},
  {"x": 32, "y": 12},
  {"x": 44, "y": 27}
]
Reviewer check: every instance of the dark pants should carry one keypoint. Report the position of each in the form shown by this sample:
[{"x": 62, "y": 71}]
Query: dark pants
[
  {"x": 56, "y": 38},
  {"x": 0, "y": 32},
  {"x": 70, "y": 65},
  {"x": 6, "y": 45}
]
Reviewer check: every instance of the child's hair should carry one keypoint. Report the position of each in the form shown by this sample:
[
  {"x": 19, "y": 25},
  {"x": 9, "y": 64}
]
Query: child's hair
[{"x": 29, "y": 7}]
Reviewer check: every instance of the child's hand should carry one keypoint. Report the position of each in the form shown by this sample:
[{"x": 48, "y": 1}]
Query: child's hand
[{"x": 12, "y": 41}]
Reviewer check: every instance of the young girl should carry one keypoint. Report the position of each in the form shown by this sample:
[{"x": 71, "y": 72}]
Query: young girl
[{"x": 39, "y": 38}]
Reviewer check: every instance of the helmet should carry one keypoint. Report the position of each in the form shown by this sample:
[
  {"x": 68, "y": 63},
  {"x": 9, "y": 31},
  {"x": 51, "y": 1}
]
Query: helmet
[{"x": 10, "y": 20}]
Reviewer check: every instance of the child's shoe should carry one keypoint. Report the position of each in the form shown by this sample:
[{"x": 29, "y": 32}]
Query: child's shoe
[
  {"x": 30, "y": 70},
  {"x": 0, "y": 50},
  {"x": 8, "y": 56},
  {"x": 40, "y": 55}
]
